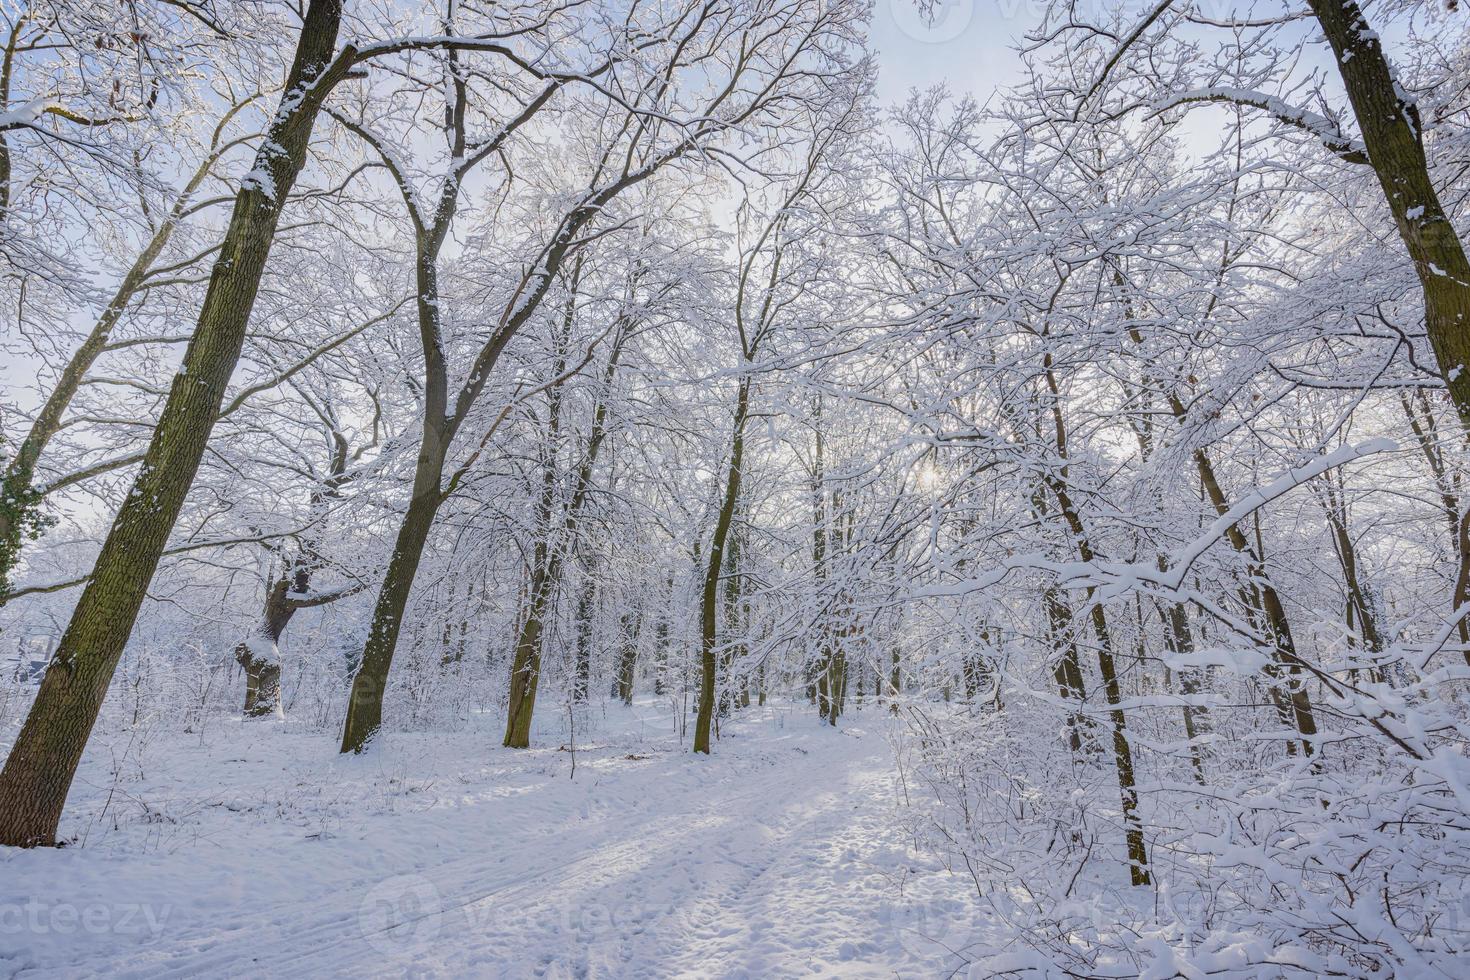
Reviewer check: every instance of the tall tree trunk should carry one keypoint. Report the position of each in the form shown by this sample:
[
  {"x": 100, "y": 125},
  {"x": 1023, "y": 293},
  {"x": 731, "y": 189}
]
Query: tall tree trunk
[
  {"x": 369, "y": 684},
  {"x": 582, "y": 682},
  {"x": 39, "y": 770},
  {"x": 525, "y": 670},
  {"x": 734, "y": 649},
  {"x": 1112, "y": 690},
  {"x": 1068, "y": 670},
  {"x": 1122, "y": 750},
  {"x": 628, "y": 657},
  {"x": 1426, "y": 432},
  {"x": 1361, "y": 612},
  {"x": 825, "y": 674},
  {"x": 1286, "y": 670},
  {"x": 661, "y": 644},
  {"x": 1393, "y": 134},
  {"x": 895, "y": 677},
  {"x": 1180, "y": 640},
  {"x": 547, "y": 561},
  {"x": 710, "y": 597}
]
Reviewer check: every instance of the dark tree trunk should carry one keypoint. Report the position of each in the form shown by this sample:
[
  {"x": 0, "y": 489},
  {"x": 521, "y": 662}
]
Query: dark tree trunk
[
  {"x": 525, "y": 670},
  {"x": 733, "y": 649},
  {"x": 582, "y": 682},
  {"x": 710, "y": 598},
  {"x": 1393, "y": 134},
  {"x": 1286, "y": 672},
  {"x": 1068, "y": 670},
  {"x": 547, "y": 562},
  {"x": 1112, "y": 689},
  {"x": 661, "y": 649},
  {"x": 365, "y": 703},
  {"x": 1178, "y": 639},
  {"x": 895, "y": 677},
  {"x": 1426, "y": 432},
  {"x": 39, "y": 771},
  {"x": 628, "y": 658},
  {"x": 263, "y": 666}
]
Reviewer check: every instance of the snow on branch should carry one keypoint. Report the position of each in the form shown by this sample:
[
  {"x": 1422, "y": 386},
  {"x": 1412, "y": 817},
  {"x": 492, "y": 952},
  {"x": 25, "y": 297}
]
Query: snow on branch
[
  {"x": 1118, "y": 578},
  {"x": 1111, "y": 579},
  {"x": 1325, "y": 130}
]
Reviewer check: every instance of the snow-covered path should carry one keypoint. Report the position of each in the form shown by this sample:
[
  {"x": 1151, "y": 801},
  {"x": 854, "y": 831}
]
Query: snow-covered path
[{"x": 780, "y": 856}]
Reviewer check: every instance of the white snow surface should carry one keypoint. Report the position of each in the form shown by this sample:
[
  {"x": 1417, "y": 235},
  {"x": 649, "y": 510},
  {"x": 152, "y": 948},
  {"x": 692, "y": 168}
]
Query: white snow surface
[{"x": 255, "y": 850}]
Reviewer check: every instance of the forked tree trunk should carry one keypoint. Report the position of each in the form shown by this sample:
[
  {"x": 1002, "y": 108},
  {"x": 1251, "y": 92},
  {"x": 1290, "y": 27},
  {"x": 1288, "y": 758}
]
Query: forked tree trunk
[
  {"x": 260, "y": 654},
  {"x": 546, "y": 564},
  {"x": 39, "y": 771},
  {"x": 365, "y": 704}
]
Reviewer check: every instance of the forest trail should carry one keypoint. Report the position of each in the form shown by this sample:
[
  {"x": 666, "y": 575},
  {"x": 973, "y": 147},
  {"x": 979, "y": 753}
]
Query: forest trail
[{"x": 782, "y": 855}]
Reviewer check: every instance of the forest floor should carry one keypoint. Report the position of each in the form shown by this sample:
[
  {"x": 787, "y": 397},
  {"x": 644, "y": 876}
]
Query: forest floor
[{"x": 254, "y": 850}]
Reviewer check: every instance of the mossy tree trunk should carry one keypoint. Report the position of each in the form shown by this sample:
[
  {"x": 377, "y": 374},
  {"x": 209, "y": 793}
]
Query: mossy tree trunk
[
  {"x": 1393, "y": 135},
  {"x": 39, "y": 770},
  {"x": 443, "y": 418}
]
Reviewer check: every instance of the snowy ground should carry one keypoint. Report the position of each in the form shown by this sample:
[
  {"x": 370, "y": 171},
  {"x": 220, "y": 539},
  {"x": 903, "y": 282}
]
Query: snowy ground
[{"x": 256, "y": 851}]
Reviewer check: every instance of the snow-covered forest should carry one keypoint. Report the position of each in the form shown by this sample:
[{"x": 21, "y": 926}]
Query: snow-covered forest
[{"x": 614, "y": 488}]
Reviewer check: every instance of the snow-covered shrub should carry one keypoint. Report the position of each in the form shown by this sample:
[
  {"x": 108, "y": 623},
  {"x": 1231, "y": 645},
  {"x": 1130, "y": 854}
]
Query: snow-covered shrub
[{"x": 1354, "y": 861}]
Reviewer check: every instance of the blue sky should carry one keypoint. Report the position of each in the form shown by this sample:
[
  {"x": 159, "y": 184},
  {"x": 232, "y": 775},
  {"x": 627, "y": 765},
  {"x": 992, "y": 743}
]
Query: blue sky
[{"x": 970, "y": 46}]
